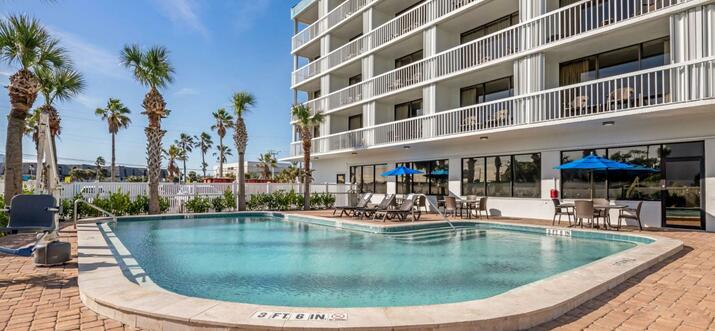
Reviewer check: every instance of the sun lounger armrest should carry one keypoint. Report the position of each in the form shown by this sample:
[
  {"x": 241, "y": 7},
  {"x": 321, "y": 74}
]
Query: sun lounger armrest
[
  {"x": 54, "y": 209},
  {"x": 5, "y": 209},
  {"x": 26, "y": 229}
]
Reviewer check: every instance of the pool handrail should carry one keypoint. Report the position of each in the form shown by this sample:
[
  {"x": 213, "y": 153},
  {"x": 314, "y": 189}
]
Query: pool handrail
[{"x": 76, "y": 203}]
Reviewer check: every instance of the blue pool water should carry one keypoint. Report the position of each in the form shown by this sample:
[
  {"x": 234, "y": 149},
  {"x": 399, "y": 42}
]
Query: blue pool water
[{"x": 271, "y": 261}]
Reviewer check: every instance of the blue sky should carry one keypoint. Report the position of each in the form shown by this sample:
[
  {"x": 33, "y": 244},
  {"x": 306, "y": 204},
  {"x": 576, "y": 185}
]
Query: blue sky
[{"x": 217, "y": 47}]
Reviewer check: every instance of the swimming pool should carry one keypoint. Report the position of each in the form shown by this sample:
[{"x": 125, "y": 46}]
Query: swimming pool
[{"x": 269, "y": 260}]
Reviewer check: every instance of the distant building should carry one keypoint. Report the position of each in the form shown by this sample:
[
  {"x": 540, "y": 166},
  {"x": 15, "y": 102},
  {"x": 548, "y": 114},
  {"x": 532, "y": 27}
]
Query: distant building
[
  {"x": 253, "y": 168},
  {"x": 63, "y": 170}
]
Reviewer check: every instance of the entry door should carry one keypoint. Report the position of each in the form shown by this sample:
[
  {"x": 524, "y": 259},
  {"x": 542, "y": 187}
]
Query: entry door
[{"x": 682, "y": 193}]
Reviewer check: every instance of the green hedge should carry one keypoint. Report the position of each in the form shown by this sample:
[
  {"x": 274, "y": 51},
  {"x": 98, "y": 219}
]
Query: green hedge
[{"x": 282, "y": 200}]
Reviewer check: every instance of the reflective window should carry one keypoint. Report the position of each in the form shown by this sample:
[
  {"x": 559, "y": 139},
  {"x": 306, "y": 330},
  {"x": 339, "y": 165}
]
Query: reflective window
[
  {"x": 355, "y": 79},
  {"x": 502, "y": 176},
  {"x": 407, "y": 59},
  {"x": 366, "y": 178},
  {"x": 355, "y": 122},
  {"x": 527, "y": 175},
  {"x": 408, "y": 110},
  {"x": 489, "y": 28},
  {"x": 433, "y": 181},
  {"x": 473, "y": 176},
  {"x": 485, "y": 92},
  {"x": 499, "y": 176}
]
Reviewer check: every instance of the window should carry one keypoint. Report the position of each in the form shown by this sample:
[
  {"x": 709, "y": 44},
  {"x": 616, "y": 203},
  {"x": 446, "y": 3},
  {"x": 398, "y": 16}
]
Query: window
[
  {"x": 621, "y": 184},
  {"x": 340, "y": 178},
  {"x": 407, "y": 59},
  {"x": 355, "y": 79},
  {"x": 409, "y": 8},
  {"x": 650, "y": 54},
  {"x": 355, "y": 37},
  {"x": 367, "y": 178},
  {"x": 489, "y": 28},
  {"x": 408, "y": 110},
  {"x": 502, "y": 176},
  {"x": 485, "y": 92},
  {"x": 316, "y": 131},
  {"x": 433, "y": 181},
  {"x": 355, "y": 122},
  {"x": 316, "y": 94}
]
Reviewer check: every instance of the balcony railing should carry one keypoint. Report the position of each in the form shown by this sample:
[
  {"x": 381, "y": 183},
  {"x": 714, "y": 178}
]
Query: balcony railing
[
  {"x": 395, "y": 28},
  {"x": 335, "y": 16},
  {"x": 672, "y": 84},
  {"x": 550, "y": 28}
]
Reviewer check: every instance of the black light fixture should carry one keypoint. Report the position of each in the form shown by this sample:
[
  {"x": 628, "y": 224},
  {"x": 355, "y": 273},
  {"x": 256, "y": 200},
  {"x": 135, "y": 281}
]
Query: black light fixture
[
  {"x": 484, "y": 138},
  {"x": 315, "y": 158},
  {"x": 608, "y": 123},
  {"x": 406, "y": 147},
  {"x": 354, "y": 153}
]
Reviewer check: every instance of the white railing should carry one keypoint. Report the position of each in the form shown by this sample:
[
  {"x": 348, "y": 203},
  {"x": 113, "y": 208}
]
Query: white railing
[
  {"x": 331, "y": 19},
  {"x": 178, "y": 194},
  {"x": 407, "y": 22},
  {"x": 678, "y": 83},
  {"x": 490, "y": 48}
]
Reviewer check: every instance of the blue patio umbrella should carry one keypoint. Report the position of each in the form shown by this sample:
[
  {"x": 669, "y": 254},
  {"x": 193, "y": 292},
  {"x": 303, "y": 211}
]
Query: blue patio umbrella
[
  {"x": 595, "y": 162},
  {"x": 401, "y": 171},
  {"x": 439, "y": 173}
]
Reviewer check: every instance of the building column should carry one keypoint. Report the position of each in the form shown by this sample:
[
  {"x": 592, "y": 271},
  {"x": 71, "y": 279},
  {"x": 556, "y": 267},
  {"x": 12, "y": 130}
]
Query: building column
[
  {"x": 692, "y": 37},
  {"x": 709, "y": 198},
  {"x": 529, "y": 71},
  {"x": 550, "y": 177}
]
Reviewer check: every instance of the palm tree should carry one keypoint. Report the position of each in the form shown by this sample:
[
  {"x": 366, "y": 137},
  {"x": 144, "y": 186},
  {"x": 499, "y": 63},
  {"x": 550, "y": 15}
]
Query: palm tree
[
  {"x": 57, "y": 84},
  {"x": 267, "y": 162},
  {"x": 306, "y": 123},
  {"x": 172, "y": 154},
  {"x": 99, "y": 163},
  {"x": 117, "y": 117},
  {"x": 186, "y": 143},
  {"x": 204, "y": 144},
  {"x": 26, "y": 44},
  {"x": 242, "y": 103},
  {"x": 224, "y": 121},
  {"x": 152, "y": 69},
  {"x": 222, "y": 153}
]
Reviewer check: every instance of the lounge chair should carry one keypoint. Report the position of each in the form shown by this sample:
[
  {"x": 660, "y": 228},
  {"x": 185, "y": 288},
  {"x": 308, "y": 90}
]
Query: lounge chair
[
  {"x": 348, "y": 210},
  {"x": 385, "y": 204},
  {"x": 30, "y": 214},
  {"x": 405, "y": 210}
]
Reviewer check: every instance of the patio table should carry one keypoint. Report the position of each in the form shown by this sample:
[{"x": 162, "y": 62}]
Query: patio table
[
  {"x": 605, "y": 208},
  {"x": 465, "y": 202}
]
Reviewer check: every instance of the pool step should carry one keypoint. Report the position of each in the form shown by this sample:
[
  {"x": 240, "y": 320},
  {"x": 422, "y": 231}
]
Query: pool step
[{"x": 440, "y": 235}]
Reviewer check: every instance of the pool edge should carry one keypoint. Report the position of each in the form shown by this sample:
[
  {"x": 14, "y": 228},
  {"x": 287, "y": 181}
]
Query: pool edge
[{"x": 105, "y": 288}]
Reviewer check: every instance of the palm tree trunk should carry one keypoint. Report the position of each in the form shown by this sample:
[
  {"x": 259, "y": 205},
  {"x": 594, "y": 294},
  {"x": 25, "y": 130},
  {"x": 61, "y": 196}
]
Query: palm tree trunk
[
  {"x": 241, "y": 183},
  {"x": 203, "y": 161},
  {"x": 306, "y": 174},
  {"x": 184, "y": 174},
  {"x": 22, "y": 91},
  {"x": 220, "y": 158},
  {"x": 153, "y": 151},
  {"x": 113, "y": 170}
]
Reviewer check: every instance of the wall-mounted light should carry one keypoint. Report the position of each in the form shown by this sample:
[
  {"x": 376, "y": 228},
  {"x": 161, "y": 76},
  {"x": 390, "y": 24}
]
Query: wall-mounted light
[
  {"x": 354, "y": 153},
  {"x": 484, "y": 138},
  {"x": 406, "y": 147},
  {"x": 608, "y": 123}
]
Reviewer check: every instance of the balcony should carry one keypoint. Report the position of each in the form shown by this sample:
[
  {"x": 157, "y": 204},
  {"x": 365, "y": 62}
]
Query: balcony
[
  {"x": 400, "y": 26},
  {"x": 632, "y": 92},
  {"x": 565, "y": 24},
  {"x": 325, "y": 23}
]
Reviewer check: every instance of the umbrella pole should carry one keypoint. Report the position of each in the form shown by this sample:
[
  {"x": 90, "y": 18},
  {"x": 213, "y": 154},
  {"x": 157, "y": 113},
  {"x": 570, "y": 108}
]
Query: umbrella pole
[{"x": 591, "y": 175}]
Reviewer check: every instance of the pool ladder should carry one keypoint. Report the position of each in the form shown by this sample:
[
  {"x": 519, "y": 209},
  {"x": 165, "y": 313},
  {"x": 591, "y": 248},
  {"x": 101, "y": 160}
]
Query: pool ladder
[
  {"x": 445, "y": 218},
  {"x": 78, "y": 201}
]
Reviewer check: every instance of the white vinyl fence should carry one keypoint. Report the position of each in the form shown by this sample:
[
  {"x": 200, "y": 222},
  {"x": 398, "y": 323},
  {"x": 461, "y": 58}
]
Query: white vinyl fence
[{"x": 178, "y": 194}]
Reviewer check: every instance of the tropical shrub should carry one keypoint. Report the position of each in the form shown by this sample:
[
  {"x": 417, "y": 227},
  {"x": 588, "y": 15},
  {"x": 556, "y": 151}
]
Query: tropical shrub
[
  {"x": 3, "y": 215},
  {"x": 139, "y": 206},
  {"x": 119, "y": 203},
  {"x": 198, "y": 204},
  {"x": 218, "y": 204},
  {"x": 164, "y": 204},
  {"x": 229, "y": 199}
]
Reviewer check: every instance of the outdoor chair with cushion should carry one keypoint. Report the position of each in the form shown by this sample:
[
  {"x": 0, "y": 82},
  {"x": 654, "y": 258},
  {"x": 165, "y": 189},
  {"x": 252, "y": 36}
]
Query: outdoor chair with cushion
[
  {"x": 560, "y": 210},
  {"x": 577, "y": 106},
  {"x": 584, "y": 211},
  {"x": 482, "y": 207},
  {"x": 450, "y": 206},
  {"x": 349, "y": 210},
  {"x": 631, "y": 214},
  {"x": 621, "y": 98},
  {"x": 405, "y": 210},
  {"x": 368, "y": 212}
]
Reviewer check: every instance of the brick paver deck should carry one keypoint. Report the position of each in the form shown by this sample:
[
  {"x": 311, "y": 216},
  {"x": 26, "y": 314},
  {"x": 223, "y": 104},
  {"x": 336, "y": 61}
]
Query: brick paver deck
[{"x": 678, "y": 294}]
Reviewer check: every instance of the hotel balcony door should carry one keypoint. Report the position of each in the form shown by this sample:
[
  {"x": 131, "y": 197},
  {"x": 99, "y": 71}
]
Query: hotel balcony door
[{"x": 682, "y": 192}]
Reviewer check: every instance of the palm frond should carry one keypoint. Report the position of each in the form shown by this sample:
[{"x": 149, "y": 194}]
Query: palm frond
[{"x": 242, "y": 102}]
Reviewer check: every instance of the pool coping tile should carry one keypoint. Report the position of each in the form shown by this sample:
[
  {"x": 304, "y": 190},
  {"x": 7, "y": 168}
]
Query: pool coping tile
[{"x": 110, "y": 288}]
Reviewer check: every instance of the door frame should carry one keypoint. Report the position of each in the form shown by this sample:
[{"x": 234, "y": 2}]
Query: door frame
[{"x": 664, "y": 174}]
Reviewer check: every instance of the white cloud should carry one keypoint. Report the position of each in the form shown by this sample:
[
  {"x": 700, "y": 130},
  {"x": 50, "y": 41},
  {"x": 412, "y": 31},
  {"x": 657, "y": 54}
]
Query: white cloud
[
  {"x": 90, "y": 58},
  {"x": 5, "y": 73},
  {"x": 185, "y": 91},
  {"x": 183, "y": 12}
]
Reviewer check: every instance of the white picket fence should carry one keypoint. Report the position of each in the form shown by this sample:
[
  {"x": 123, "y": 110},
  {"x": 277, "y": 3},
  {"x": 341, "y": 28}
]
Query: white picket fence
[{"x": 178, "y": 194}]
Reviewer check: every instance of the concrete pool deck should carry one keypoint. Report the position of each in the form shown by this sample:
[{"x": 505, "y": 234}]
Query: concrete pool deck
[{"x": 676, "y": 293}]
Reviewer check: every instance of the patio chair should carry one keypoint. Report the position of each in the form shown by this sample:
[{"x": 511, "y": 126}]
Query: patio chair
[
  {"x": 584, "y": 211},
  {"x": 577, "y": 106},
  {"x": 347, "y": 210},
  {"x": 559, "y": 211},
  {"x": 30, "y": 213},
  {"x": 469, "y": 206},
  {"x": 387, "y": 201},
  {"x": 405, "y": 210},
  {"x": 450, "y": 206},
  {"x": 620, "y": 97},
  {"x": 482, "y": 207},
  {"x": 631, "y": 214},
  {"x": 421, "y": 203}
]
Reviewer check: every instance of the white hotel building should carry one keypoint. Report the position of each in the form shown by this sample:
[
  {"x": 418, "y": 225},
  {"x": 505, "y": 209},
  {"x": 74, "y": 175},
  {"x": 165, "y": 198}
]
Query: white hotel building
[{"x": 488, "y": 96}]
